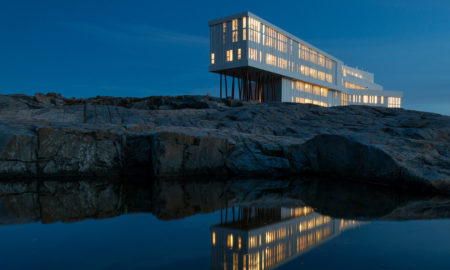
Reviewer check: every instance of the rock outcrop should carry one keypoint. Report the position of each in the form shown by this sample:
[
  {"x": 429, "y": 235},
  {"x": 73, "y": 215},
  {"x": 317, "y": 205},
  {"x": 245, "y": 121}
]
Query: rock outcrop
[{"x": 49, "y": 135}]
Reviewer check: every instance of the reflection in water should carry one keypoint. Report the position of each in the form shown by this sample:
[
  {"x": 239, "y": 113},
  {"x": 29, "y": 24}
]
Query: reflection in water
[{"x": 262, "y": 238}]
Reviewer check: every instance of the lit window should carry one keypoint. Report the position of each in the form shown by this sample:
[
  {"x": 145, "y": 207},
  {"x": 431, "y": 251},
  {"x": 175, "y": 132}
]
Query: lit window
[
  {"x": 282, "y": 43},
  {"x": 239, "y": 242},
  {"x": 330, "y": 63},
  {"x": 239, "y": 54},
  {"x": 329, "y": 78},
  {"x": 224, "y": 27},
  {"x": 230, "y": 241},
  {"x": 254, "y": 30},
  {"x": 253, "y": 54},
  {"x": 234, "y": 24},
  {"x": 213, "y": 60},
  {"x": 366, "y": 99},
  {"x": 230, "y": 55},
  {"x": 382, "y": 100},
  {"x": 271, "y": 59},
  {"x": 321, "y": 60},
  {"x": 213, "y": 238},
  {"x": 244, "y": 28}
]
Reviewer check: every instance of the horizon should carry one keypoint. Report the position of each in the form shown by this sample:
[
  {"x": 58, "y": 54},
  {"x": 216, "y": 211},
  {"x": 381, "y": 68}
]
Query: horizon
[{"x": 112, "y": 48}]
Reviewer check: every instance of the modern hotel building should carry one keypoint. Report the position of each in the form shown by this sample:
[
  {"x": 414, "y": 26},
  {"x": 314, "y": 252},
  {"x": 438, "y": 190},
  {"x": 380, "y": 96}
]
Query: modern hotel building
[{"x": 269, "y": 64}]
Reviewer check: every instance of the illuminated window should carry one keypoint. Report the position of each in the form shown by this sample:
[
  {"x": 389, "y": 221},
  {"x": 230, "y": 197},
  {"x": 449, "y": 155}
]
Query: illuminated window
[
  {"x": 234, "y": 25},
  {"x": 321, "y": 75},
  {"x": 235, "y": 261},
  {"x": 313, "y": 73},
  {"x": 313, "y": 57},
  {"x": 394, "y": 102},
  {"x": 308, "y": 88},
  {"x": 282, "y": 63},
  {"x": 244, "y": 28},
  {"x": 282, "y": 43},
  {"x": 253, "y": 54},
  {"x": 254, "y": 30},
  {"x": 382, "y": 100},
  {"x": 239, "y": 54},
  {"x": 366, "y": 99},
  {"x": 230, "y": 55},
  {"x": 271, "y": 59},
  {"x": 270, "y": 37},
  {"x": 230, "y": 241},
  {"x": 224, "y": 27},
  {"x": 324, "y": 92},
  {"x": 316, "y": 90},
  {"x": 321, "y": 60},
  {"x": 329, "y": 78},
  {"x": 239, "y": 242},
  {"x": 329, "y": 63},
  {"x": 213, "y": 238},
  {"x": 213, "y": 60}
]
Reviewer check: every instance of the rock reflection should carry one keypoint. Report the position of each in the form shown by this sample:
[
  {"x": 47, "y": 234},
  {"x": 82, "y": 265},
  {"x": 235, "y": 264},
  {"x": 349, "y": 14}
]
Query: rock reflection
[
  {"x": 57, "y": 200},
  {"x": 266, "y": 238}
]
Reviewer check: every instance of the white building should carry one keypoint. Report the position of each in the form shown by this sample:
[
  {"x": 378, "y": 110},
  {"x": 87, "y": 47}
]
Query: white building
[{"x": 259, "y": 61}]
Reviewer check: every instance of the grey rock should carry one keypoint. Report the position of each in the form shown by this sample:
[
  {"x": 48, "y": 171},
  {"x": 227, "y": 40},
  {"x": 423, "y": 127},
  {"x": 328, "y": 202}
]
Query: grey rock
[{"x": 49, "y": 135}]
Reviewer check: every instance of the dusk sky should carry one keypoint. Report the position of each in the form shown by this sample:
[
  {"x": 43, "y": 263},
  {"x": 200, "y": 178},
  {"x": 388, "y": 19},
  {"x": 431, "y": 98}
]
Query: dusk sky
[{"x": 144, "y": 48}]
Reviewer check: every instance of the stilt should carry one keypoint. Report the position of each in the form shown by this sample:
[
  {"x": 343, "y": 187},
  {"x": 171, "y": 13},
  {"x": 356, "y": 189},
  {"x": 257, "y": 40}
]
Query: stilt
[
  {"x": 232, "y": 88},
  {"x": 220, "y": 84},
  {"x": 226, "y": 87}
]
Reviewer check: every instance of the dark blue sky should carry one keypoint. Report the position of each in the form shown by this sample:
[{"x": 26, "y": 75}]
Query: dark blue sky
[{"x": 142, "y": 48}]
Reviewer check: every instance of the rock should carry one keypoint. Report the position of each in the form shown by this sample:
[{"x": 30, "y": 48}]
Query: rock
[{"x": 49, "y": 135}]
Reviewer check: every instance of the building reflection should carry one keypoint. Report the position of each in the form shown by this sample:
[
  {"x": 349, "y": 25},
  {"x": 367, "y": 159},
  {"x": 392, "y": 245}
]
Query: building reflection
[{"x": 262, "y": 238}]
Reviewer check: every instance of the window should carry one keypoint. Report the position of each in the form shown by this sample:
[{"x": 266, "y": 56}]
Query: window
[
  {"x": 329, "y": 63},
  {"x": 282, "y": 43},
  {"x": 313, "y": 56},
  {"x": 253, "y": 54},
  {"x": 271, "y": 59},
  {"x": 213, "y": 60},
  {"x": 382, "y": 100},
  {"x": 229, "y": 55},
  {"x": 394, "y": 102},
  {"x": 313, "y": 73},
  {"x": 213, "y": 238},
  {"x": 234, "y": 24},
  {"x": 244, "y": 28},
  {"x": 282, "y": 63},
  {"x": 324, "y": 92},
  {"x": 224, "y": 26},
  {"x": 329, "y": 78},
  {"x": 366, "y": 99},
  {"x": 230, "y": 241},
  {"x": 270, "y": 37},
  {"x": 321, "y": 75},
  {"x": 254, "y": 30},
  {"x": 316, "y": 90},
  {"x": 321, "y": 60},
  {"x": 308, "y": 88},
  {"x": 239, "y": 54}
]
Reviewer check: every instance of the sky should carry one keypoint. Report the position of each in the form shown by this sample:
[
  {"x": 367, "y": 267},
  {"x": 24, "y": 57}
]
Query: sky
[{"x": 143, "y": 48}]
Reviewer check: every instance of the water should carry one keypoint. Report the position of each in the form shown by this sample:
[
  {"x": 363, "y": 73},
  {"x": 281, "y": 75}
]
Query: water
[{"x": 175, "y": 224}]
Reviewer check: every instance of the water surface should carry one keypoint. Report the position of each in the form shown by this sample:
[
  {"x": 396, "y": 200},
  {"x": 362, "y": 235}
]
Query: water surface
[{"x": 254, "y": 224}]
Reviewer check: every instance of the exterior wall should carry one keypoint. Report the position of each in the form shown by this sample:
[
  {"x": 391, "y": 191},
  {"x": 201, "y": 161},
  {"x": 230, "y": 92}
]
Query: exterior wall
[{"x": 265, "y": 47}]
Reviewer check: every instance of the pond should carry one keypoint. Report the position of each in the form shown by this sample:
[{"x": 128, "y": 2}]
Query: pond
[{"x": 243, "y": 224}]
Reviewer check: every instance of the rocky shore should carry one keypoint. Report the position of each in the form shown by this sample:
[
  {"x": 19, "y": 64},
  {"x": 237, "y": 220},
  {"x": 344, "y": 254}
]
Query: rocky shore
[{"x": 52, "y": 136}]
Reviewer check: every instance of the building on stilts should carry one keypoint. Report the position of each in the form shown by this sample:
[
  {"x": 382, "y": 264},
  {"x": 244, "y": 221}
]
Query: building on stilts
[{"x": 257, "y": 61}]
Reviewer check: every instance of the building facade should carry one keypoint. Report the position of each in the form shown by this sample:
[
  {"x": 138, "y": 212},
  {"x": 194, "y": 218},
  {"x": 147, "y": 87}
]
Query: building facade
[{"x": 259, "y": 61}]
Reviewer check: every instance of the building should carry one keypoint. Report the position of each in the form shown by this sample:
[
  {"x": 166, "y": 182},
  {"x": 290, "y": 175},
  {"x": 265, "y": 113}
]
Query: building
[
  {"x": 262, "y": 238},
  {"x": 259, "y": 61}
]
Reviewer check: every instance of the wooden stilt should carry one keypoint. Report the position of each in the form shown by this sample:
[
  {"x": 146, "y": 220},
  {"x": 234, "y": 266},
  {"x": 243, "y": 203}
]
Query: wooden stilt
[
  {"x": 226, "y": 87},
  {"x": 232, "y": 88},
  {"x": 220, "y": 84}
]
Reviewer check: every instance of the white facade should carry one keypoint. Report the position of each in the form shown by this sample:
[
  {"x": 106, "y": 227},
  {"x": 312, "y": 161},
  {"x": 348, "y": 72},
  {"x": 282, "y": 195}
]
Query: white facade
[{"x": 272, "y": 65}]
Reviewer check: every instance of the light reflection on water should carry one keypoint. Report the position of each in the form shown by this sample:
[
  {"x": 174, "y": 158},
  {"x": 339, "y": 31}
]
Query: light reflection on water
[{"x": 173, "y": 225}]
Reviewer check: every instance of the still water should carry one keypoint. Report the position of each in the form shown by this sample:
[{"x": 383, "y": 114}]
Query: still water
[{"x": 252, "y": 224}]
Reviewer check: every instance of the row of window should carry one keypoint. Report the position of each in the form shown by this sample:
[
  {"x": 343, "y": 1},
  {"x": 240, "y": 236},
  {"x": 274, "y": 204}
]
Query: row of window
[
  {"x": 314, "y": 73},
  {"x": 353, "y": 86},
  {"x": 276, "y": 40},
  {"x": 346, "y": 72},
  {"x": 309, "y": 101},
  {"x": 309, "y": 88}
]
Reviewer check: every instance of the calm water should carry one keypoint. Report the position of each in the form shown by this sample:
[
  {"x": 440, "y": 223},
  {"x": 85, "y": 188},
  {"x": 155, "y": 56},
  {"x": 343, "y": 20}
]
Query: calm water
[{"x": 99, "y": 225}]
